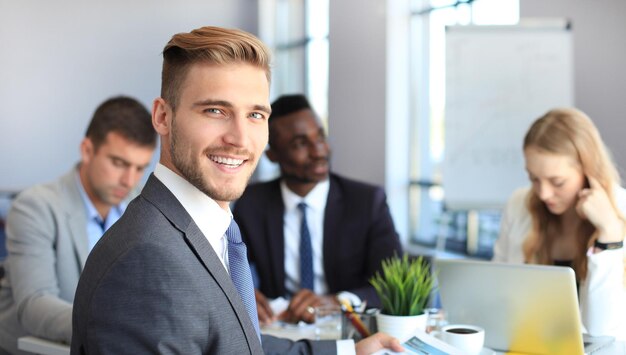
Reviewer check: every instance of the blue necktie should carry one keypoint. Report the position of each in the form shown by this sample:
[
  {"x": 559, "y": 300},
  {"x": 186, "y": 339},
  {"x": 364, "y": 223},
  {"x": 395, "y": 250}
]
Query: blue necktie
[
  {"x": 306, "y": 252},
  {"x": 240, "y": 272},
  {"x": 101, "y": 223}
]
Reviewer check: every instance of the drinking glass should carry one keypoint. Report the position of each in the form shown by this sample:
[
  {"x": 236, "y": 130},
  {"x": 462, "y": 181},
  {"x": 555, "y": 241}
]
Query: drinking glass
[
  {"x": 436, "y": 319},
  {"x": 327, "y": 322}
]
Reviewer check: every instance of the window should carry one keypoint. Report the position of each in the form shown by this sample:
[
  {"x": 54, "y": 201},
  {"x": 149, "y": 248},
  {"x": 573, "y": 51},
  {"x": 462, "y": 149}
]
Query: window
[
  {"x": 297, "y": 32},
  {"x": 431, "y": 223}
]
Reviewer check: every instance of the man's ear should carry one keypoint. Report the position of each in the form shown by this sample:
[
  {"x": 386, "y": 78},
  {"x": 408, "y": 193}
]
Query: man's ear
[
  {"x": 271, "y": 155},
  {"x": 161, "y": 117},
  {"x": 87, "y": 150}
]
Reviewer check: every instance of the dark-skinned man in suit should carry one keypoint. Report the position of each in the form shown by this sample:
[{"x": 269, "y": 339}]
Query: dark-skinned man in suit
[{"x": 349, "y": 225}]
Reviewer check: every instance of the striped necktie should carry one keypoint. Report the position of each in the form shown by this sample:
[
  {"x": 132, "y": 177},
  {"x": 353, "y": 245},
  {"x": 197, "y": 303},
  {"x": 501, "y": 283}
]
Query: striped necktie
[
  {"x": 240, "y": 272},
  {"x": 306, "y": 252}
]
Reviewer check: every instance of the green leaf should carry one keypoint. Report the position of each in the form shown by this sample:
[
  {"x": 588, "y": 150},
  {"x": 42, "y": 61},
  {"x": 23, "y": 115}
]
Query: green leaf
[{"x": 404, "y": 285}]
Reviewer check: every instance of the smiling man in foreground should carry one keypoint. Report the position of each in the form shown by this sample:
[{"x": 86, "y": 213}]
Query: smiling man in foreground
[{"x": 172, "y": 277}]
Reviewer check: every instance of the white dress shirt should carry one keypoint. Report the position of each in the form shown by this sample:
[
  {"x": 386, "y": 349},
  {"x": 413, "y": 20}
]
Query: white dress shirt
[
  {"x": 315, "y": 201},
  {"x": 212, "y": 220},
  {"x": 602, "y": 295},
  {"x": 96, "y": 226}
]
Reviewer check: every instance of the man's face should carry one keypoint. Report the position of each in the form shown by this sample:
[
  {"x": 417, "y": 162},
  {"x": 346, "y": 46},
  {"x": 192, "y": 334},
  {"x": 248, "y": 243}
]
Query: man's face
[
  {"x": 219, "y": 128},
  {"x": 110, "y": 172},
  {"x": 299, "y": 146}
]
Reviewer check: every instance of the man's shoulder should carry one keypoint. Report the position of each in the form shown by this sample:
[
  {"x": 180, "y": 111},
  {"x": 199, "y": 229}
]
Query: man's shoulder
[
  {"x": 143, "y": 226},
  {"x": 53, "y": 192},
  {"x": 143, "y": 212},
  {"x": 353, "y": 186},
  {"x": 256, "y": 197},
  {"x": 258, "y": 189}
]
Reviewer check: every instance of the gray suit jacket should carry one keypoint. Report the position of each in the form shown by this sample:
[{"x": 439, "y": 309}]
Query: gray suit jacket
[
  {"x": 154, "y": 285},
  {"x": 47, "y": 245}
]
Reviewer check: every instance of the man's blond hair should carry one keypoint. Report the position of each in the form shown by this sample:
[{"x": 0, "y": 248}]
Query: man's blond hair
[{"x": 212, "y": 45}]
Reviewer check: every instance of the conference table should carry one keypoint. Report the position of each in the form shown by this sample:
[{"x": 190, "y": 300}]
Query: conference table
[
  {"x": 308, "y": 332},
  {"x": 36, "y": 345},
  {"x": 40, "y": 346}
]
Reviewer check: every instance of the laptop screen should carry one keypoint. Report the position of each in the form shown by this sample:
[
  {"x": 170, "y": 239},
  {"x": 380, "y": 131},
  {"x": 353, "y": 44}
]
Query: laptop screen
[{"x": 523, "y": 308}]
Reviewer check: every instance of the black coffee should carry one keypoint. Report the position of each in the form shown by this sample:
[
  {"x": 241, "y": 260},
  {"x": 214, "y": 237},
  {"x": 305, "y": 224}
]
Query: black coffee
[{"x": 461, "y": 331}]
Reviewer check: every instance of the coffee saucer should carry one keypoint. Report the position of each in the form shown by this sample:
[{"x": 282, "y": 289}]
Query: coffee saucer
[{"x": 487, "y": 351}]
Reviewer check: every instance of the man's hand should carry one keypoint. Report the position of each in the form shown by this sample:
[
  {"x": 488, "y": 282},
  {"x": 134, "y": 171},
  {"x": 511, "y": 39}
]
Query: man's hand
[
  {"x": 266, "y": 315},
  {"x": 376, "y": 342},
  {"x": 302, "y": 306}
]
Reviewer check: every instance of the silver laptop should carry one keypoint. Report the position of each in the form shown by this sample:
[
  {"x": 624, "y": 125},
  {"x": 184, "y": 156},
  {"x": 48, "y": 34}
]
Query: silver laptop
[{"x": 523, "y": 308}]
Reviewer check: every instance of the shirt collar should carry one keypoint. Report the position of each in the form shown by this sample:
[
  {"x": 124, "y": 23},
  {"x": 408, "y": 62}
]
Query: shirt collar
[
  {"x": 205, "y": 212},
  {"x": 315, "y": 199},
  {"x": 92, "y": 212}
]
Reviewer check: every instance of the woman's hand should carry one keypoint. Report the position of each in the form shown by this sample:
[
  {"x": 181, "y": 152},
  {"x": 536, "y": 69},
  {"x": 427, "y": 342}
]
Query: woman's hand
[{"x": 594, "y": 205}]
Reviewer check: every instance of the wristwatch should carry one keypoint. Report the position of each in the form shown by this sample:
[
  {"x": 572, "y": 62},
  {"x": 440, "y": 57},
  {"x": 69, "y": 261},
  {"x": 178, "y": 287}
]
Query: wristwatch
[{"x": 608, "y": 246}]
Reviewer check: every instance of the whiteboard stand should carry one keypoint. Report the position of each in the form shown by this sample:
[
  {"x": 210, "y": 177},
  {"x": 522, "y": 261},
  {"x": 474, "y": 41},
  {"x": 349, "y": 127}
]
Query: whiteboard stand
[
  {"x": 443, "y": 231},
  {"x": 473, "y": 229}
]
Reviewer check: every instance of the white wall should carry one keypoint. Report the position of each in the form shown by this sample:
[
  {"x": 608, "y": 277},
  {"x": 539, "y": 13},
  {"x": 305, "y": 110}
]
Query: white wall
[
  {"x": 368, "y": 104},
  {"x": 598, "y": 29},
  {"x": 60, "y": 59},
  {"x": 357, "y": 87}
]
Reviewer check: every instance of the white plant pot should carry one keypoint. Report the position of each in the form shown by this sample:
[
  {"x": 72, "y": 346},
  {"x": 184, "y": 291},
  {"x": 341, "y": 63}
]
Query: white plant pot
[{"x": 401, "y": 327}]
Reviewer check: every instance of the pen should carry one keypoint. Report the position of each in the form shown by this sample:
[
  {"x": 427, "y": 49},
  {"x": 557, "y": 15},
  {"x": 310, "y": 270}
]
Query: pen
[{"x": 355, "y": 319}]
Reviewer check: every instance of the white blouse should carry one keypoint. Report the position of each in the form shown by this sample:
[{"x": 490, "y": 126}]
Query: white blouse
[{"x": 602, "y": 295}]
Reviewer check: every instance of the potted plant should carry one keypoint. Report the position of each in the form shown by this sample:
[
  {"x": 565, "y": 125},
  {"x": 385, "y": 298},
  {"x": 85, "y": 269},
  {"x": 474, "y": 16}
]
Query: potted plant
[{"x": 404, "y": 288}]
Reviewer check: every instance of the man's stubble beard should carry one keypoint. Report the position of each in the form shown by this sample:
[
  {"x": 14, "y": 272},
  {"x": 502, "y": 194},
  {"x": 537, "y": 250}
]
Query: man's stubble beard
[{"x": 189, "y": 167}]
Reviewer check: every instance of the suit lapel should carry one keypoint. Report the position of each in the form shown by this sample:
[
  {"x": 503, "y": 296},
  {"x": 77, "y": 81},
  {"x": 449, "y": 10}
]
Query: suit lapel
[
  {"x": 74, "y": 210},
  {"x": 166, "y": 202},
  {"x": 203, "y": 250},
  {"x": 78, "y": 232},
  {"x": 332, "y": 225},
  {"x": 276, "y": 235}
]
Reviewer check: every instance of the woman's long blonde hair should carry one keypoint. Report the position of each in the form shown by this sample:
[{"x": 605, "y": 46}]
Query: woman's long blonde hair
[{"x": 568, "y": 132}]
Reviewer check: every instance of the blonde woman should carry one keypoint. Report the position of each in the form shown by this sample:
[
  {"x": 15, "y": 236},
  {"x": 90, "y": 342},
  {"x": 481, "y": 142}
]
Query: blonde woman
[{"x": 573, "y": 215}]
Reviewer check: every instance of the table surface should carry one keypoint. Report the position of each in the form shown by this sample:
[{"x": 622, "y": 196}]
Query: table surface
[
  {"x": 41, "y": 346},
  {"x": 45, "y": 347},
  {"x": 294, "y": 333},
  {"x": 615, "y": 348},
  {"x": 290, "y": 331}
]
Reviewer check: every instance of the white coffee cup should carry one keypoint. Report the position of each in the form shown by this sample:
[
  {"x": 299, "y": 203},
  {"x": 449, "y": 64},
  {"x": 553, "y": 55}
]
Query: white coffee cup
[{"x": 469, "y": 338}]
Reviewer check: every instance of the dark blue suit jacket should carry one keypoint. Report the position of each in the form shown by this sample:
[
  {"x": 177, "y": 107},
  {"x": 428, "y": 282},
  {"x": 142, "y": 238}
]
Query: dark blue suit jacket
[{"x": 358, "y": 234}]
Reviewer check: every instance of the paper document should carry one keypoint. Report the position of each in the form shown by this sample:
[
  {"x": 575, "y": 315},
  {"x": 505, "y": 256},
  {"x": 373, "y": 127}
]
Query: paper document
[
  {"x": 279, "y": 305},
  {"x": 423, "y": 344}
]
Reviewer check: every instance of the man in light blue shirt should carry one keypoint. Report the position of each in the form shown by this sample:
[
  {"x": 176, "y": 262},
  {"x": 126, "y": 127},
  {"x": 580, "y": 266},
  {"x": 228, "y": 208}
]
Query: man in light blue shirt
[
  {"x": 52, "y": 227},
  {"x": 96, "y": 224}
]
